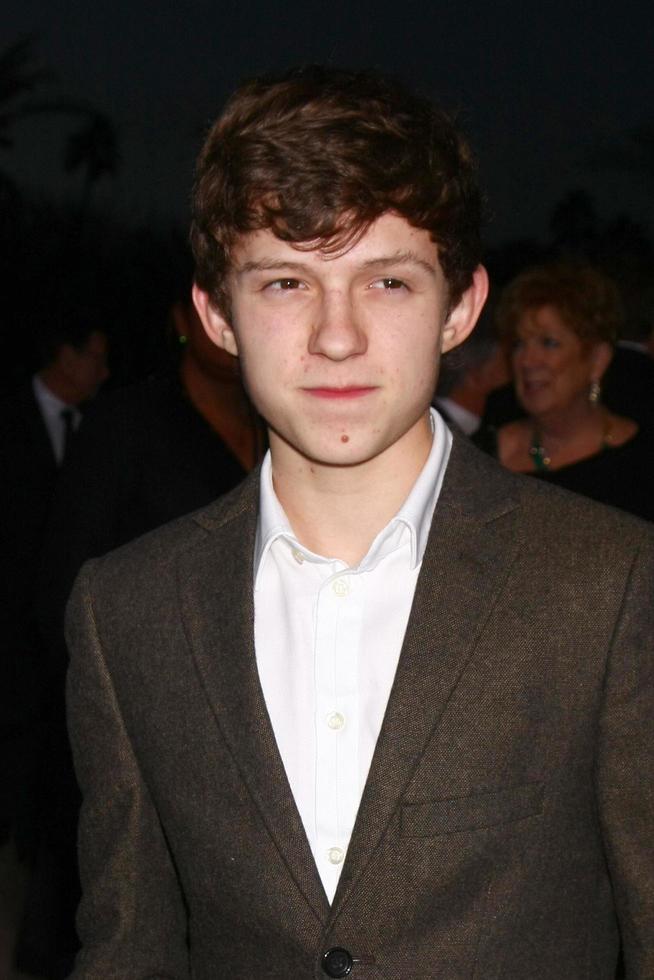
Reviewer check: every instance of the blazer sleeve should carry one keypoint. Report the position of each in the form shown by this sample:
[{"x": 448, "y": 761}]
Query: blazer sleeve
[
  {"x": 625, "y": 767},
  {"x": 131, "y": 920}
]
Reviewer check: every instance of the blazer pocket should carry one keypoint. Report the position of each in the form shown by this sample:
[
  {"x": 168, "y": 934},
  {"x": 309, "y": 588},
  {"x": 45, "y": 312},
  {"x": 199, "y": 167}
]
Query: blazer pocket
[{"x": 465, "y": 813}]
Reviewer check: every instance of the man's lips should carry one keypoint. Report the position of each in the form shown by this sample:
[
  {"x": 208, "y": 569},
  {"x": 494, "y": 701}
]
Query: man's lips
[{"x": 349, "y": 391}]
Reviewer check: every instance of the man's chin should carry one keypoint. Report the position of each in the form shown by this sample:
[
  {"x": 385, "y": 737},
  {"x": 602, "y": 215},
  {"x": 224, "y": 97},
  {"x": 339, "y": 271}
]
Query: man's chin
[{"x": 337, "y": 450}]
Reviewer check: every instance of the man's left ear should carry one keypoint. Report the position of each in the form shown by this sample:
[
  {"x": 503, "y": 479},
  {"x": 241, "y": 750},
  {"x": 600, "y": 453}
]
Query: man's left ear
[
  {"x": 465, "y": 314},
  {"x": 216, "y": 326}
]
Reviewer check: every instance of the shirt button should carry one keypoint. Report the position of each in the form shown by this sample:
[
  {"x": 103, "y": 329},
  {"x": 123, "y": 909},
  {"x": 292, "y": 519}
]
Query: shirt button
[
  {"x": 335, "y": 855},
  {"x": 341, "y": 586},
  {"x": 335, "y": 721},
  {"x": 299, "y": 557}
]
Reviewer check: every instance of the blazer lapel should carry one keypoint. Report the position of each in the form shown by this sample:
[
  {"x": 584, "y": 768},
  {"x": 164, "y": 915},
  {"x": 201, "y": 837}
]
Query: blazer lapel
[
  {"x": 471, "y": 547},
  {"x": 216, "y": 589}
]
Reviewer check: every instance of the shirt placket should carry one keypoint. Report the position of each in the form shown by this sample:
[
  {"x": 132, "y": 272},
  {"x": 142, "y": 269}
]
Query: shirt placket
[{"x": 338, "y": 626}]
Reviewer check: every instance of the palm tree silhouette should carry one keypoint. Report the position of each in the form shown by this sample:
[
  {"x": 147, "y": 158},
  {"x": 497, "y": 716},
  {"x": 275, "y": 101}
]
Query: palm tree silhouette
[{"x": 92, "y": 148}]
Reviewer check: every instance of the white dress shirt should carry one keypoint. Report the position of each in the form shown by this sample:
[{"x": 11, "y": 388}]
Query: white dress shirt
[
  {"x": 328, "y": 639},
  {"x": 52, "y": 409}
]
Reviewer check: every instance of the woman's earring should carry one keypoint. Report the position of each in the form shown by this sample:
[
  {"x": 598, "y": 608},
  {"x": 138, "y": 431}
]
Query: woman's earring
[{"x": 595, "y": 392}]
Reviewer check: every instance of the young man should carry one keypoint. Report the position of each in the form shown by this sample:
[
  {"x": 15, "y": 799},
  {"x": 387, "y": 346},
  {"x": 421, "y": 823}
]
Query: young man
[{"x": 385, "y": 710}]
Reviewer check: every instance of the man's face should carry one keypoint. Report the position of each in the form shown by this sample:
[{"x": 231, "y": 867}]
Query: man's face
[
  {"x": 340, "y": 353},
  {"x": 85, "y": 367}
]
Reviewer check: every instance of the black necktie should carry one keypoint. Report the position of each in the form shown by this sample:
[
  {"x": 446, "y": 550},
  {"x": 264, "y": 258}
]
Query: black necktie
[{"x": 66, "y": 416}]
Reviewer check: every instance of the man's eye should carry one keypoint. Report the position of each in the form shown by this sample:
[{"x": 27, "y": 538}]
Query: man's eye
[
  {"x": 284, "y": 284},
  {"x": 388, "y": 283},
  {"x": 550, "y": 342}
]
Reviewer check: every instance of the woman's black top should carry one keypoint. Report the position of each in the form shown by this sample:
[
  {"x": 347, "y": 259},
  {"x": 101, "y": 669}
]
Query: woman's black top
[{"x": 621, "y": 476}]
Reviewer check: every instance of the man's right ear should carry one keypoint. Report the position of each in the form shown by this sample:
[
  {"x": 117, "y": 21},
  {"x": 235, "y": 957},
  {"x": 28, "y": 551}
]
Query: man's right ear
[{"x": 216, "y": 326}]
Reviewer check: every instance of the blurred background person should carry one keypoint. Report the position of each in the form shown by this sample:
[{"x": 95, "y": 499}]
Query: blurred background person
[
  {"x": 37, "y": 423},
  {"x": 38, "y": 420},
  {"x": 147, "y": 454},
  {"x": 627, "y": 385},
  {"x": 75, "y": 367},
  {"x": 468, "y": 375},
  {"x": 560, "y": 323}
]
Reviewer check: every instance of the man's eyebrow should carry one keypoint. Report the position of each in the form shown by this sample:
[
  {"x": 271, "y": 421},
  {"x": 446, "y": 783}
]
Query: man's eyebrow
[
  {"x": 404, "y": 257},
  {"x": 269, "y": 265}
]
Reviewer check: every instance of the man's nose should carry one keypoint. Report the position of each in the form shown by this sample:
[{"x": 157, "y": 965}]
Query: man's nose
[{"x": 337, "y": 332}]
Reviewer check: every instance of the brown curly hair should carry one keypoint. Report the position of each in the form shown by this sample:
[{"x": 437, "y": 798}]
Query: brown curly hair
[
  {"x": 587, "y": 301},
  {"x": 316, "y": 155}
]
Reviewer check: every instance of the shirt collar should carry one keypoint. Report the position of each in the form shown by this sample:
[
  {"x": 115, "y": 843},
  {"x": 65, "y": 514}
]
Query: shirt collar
[
  {"x": 50, "y": 403},
  {"x": 415, "y": 514}
]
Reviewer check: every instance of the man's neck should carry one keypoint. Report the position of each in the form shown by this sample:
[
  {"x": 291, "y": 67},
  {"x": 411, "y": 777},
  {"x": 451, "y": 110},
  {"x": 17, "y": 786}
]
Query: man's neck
[{"x": 337, "y": 512}]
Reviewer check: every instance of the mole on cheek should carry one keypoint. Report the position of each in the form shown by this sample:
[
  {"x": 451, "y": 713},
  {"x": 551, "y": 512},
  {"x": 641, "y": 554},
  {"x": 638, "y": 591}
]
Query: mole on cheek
[{"x": 345, "y": 438}]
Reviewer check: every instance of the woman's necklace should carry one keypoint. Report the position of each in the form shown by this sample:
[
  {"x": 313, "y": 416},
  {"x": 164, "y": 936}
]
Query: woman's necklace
[{"x": 543, "y": 462}]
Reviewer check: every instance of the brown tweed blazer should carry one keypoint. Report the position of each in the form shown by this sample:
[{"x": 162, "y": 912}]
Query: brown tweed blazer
[{"x": 506, "y": 830}]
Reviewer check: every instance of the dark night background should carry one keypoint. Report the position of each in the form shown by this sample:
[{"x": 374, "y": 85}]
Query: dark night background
[{"x": 97, "y": 158}]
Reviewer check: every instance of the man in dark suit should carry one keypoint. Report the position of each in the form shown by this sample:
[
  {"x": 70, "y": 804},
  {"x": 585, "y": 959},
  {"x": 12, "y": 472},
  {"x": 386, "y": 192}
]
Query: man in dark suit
[
  {"x": 385, "y": 710},
  {"x": 36, "y": 422}
]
